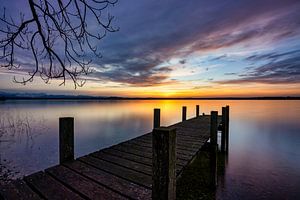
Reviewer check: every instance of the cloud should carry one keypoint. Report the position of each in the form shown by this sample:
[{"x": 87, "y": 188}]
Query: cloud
[
  {"x": 230, "y": 73},
  {"x": 135, "y": 72},
  {"x": 182, "y": 62},
  {"x": 178, "y": 30},
  {"x": 284, "y": 71},
  {"x": 153, "y": 32},
  {"x": 271, "y": 56},
  {"x": 218, "y": 58}
]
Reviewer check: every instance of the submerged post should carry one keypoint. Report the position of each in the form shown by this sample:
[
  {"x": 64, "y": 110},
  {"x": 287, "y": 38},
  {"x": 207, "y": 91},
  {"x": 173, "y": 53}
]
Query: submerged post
[
  {"x": 223, "y": 131},
  {"x": 227, "y": 128},
  {"x": 213, "y": 147},
  {"x": 197, "y": 110},
  {"x": 183, "y": 113},
  {"x": 156, "y": 118},
  {"x": 66, "y": 139},
  {"x": 164, "y": 163}
]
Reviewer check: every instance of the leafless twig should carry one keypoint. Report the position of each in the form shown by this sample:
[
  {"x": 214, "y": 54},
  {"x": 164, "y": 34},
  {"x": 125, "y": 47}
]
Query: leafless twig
[{"x": 60, "y": 36}]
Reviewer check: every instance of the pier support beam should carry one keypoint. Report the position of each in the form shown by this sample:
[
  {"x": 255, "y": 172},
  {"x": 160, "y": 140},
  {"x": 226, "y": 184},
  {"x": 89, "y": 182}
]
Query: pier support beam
[
  {"x": 156, "y": 118},
  {"x": 66, "y": 139},
  {"x": 224, "y": 129},
  {"x": 164, "y": 164},
  {"x": 183, "y": 113},
  {"x": 227, "y": 128},
  {"x": 197, "y": 110},
  {"x": 213, "y": 147}
]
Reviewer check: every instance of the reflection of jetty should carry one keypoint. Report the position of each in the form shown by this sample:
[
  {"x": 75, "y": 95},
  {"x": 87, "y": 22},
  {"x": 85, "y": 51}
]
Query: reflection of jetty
[{"x": 142, "y": 168}]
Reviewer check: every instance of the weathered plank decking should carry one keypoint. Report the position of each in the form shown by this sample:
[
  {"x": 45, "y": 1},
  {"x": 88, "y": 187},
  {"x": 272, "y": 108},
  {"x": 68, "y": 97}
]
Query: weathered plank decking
[{"x": 122, "y": 171}]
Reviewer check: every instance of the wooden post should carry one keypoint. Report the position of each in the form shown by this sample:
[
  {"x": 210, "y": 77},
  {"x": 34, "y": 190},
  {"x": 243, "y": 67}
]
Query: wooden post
[
  {"x": 183, "y": 113},
  {"x": 164, "y": 164},
  {"x": 197, "y": 110},
  {"x": 156, "y": 118},
  {"x": 227, "y": 128},
  {"x": 213, "y": 147},
  {"x": 223, "y": 132},
  {"x": 66, "y": 139}
]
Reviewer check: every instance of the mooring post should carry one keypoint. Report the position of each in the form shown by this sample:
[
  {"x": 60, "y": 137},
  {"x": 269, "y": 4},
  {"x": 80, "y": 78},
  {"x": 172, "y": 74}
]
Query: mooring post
[
  {"x": 66, "y": 139},
  {"x": 197, "y": 110},
  {"x": 164, "y": 164},
  {"x": 156, "y": 118},
  {"x": 223, "y": 131},
  {"x": 183, "y": 113},
  {"x": 213, "y": 147},
  {"x": 227, "y": 128}
]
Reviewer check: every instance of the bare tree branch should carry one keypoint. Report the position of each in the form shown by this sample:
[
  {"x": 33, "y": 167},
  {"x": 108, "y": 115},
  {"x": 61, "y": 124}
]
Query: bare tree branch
[{"x": 61, "y": 37}]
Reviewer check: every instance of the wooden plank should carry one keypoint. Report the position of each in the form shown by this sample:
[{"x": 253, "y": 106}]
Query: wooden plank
[
  {"x": 127, "y": 188},
  {"x": 146, "y": 138},
  {"x": 180, "y": 153},
  {"x": 183, "y": 137},
  {"x": 140, "y": 159},
  {"x": 195, "y": 138},
  {"x": 129, "y": 156},
  {"x": 49, "y": 188},
  {"x": 18, "y": 190},
  {"x": 124, "y": 162},
  {"x": 130, "y": 175},
  {"x": 180, "y": 150},
  {"x": 191, "y": 129},
  {"x": 178, "y": 145},
  {"x": 194, "y": 132},
  {"x": 86, "y": 187},
  {"x": 188, "y": 141},
  {"x": 145, "y": 169},
  {"x": 133, "y": 151},
  {"x": 142, "y": 136},
  {"x": 148, "y": 155}
]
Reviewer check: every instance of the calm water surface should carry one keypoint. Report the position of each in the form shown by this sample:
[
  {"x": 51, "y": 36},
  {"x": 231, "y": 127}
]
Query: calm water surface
[{"x": 264, "y": 157}]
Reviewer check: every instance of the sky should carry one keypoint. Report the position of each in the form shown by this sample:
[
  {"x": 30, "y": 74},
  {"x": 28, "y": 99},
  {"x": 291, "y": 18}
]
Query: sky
[{"x": 195, "y": 48}]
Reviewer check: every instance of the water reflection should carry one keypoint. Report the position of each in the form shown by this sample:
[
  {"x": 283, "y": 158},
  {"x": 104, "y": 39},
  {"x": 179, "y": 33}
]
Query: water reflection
[
  {"x": 16, "y": 129},
  {"x": 264, "y": 157}
]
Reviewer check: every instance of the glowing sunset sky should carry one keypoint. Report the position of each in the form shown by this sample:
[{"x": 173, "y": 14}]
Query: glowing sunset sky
[{"x": 194, "y": 48}]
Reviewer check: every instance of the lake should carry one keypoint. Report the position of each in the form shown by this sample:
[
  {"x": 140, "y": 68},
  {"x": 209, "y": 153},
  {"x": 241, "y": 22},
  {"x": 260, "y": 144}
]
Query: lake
[{"x": 264, "y": 150}]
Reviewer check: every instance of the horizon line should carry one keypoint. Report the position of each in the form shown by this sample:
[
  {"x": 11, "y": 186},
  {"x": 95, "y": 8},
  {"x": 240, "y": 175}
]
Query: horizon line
[{"x": 83, "y": 97}]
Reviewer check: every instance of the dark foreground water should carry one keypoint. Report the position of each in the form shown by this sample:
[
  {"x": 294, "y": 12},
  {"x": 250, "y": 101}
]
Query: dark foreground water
[{"x": 264, "y": 157}]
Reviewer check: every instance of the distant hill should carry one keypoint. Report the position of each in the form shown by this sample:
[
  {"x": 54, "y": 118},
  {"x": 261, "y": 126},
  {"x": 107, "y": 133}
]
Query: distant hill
[
  {"x": 8, "y": 95},
  {"x": 43, "y": 96}
]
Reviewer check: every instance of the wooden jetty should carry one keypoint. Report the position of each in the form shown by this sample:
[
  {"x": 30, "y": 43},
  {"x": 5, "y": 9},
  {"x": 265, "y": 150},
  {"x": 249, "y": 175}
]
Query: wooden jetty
[{"x": 145, "y": 167}]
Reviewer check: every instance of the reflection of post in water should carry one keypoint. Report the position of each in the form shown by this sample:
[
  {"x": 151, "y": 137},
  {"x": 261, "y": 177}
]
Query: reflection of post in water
[
  {"x": 213, "y": 148},
  {"x": 218, "y": 159},
  {"x": 222, "y": 164},
  {"x": 223, "y": 154}
]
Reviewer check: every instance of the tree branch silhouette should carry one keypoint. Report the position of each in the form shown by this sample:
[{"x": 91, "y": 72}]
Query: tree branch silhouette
[{"x": 60, "y": 36}]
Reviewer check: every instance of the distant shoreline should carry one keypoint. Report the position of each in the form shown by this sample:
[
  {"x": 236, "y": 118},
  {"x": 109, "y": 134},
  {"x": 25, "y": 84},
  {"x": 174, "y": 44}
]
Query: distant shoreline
[{"x": 136, "y": 98}]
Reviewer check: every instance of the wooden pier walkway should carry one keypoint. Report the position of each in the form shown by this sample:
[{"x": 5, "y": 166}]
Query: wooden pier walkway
[{"x": 125, "y": 170}]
